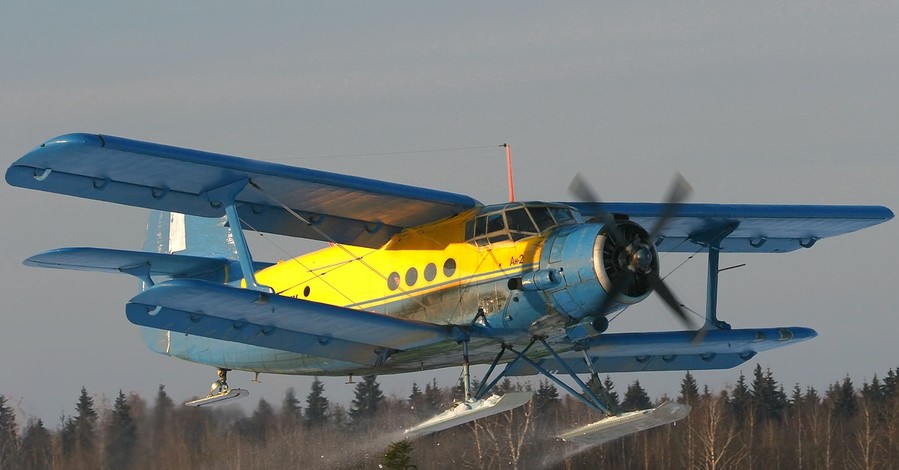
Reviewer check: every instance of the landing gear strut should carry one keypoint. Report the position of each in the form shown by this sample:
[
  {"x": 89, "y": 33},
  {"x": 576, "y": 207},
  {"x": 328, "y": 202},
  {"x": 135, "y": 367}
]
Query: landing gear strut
[
  {"x": 220, "y": 386},
  {"x": 473, "y": 406},
  {"x": 220, "y": 391},
  {"x": 611, "y": 427}
]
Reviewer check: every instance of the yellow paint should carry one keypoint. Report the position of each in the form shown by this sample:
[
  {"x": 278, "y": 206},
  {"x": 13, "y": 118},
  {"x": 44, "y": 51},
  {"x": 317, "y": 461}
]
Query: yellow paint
[{"x": 358, "y": 277}]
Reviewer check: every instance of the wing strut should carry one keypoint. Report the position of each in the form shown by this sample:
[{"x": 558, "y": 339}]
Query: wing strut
[
  {"x": 225, "y": 196},
  {"x": 589, "y": 397},
  {"x": 612, "y": 426},
  {"x": 712, "y": 239}
]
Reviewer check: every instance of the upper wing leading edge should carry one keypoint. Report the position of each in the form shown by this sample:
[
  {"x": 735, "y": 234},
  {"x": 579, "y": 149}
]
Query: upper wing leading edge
[
  {"x": 332, "y": 207},
  {"x": 745, "y": 228}
]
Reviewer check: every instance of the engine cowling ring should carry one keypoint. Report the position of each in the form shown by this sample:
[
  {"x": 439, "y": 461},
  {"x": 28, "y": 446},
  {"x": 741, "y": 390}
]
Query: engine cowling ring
[
  {"x": 585, "y": 273},
  {"x": 638, "y": 255}
]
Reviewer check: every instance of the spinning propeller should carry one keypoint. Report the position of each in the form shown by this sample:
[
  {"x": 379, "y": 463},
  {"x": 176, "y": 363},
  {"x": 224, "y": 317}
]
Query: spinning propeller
[{"x": 631, "y": 252}]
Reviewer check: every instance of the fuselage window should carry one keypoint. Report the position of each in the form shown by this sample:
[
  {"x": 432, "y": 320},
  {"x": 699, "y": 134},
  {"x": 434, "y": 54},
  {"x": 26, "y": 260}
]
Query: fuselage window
[
  {"x": 411, "y": 277},
  {"x": 430, "y": 272},
  {"x": 393, "y": 280},
  {"x": 449, "y": 267}
]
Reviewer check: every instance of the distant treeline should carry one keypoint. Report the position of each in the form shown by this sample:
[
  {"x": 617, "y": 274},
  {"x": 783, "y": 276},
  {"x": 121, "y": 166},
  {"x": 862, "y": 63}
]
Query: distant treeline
[{"x": 756, "y": 424}]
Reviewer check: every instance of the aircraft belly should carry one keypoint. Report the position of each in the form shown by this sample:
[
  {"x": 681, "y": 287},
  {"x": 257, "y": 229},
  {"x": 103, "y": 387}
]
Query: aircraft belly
[
  {"x": 501, "y": 308},
  {"x": 238, "y": 356}
]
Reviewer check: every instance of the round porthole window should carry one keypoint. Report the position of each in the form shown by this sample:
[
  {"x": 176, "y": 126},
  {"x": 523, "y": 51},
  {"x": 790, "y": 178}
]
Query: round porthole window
[
  {"x": 411, "y": 277},
  {"x": 393, "y": 280},
  {"x": 430, "y": 272},
  {"x": 449, "y": 267},
  {"x": 306, "y": 291}
]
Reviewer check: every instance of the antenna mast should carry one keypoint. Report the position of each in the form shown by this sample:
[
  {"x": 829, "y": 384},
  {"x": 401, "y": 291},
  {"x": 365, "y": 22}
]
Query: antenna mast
[{"x": 509, "y": 166}]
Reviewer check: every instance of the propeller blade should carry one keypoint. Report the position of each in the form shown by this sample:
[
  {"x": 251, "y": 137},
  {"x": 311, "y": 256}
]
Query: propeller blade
[
  {"x": 585, "y": 193},
  {"x": 699, "y": 336},
  {"x": 678, "y": 192},
  {"x": 658, "y": 285},
  {"x": 625, "y": 279}
]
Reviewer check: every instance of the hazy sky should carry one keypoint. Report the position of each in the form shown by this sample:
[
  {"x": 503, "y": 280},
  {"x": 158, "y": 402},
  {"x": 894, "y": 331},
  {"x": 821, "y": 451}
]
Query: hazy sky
[{"x": 760, "y": 102}]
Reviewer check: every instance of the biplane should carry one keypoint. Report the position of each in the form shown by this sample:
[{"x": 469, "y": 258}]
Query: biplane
[{"x": 414, "y": 278}]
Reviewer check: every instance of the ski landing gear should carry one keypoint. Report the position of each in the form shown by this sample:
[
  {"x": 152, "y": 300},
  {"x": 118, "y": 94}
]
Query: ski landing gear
[
  {"x": 613, "y": 426},
  {"x": 220, "y": 391},
  {"x": 472, "y": 407}
]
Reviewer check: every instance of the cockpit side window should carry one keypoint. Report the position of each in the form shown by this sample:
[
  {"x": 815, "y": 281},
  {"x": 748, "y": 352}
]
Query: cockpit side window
[
  {"x": 542, "y": 217},
  {"x": 562, "y": 215},
  {"x": 515, "y": 222},
  {"x": 488, "y": 228},
  {"x": 519, "y": 221},
  {"x": 495, "y": 222}
]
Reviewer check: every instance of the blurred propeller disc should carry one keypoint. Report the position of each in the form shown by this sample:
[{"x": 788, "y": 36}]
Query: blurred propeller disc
[{"x": 639, "y": 255}]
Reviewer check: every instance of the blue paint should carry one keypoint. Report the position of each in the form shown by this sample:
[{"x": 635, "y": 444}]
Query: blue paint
[
  {"x": 143, "y": 174},
  {"x": 261, "y": 332}
]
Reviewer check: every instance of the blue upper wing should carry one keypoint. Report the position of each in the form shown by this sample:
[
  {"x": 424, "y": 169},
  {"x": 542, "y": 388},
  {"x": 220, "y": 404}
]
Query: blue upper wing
[
  {"x": 748, "y": 228},
  {"x": 366, "y": 212},
  {"x": 341, "y": 208}
]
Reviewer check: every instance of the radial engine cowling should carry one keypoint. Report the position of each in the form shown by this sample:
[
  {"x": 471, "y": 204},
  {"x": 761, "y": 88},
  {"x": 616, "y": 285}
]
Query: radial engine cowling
[{"x": 580, "y": 264}]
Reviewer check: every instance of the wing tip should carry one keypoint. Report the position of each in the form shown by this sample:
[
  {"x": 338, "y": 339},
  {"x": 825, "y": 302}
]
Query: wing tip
[{"x": 77, "y": 138}]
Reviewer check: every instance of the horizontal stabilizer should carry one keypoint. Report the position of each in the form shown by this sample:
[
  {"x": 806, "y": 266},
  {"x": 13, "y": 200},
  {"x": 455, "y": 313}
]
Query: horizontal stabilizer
[
  {"x": 269, "y": 320},
  {"x": 470, "y": 411},
  {"x": 613, "y": 427},
  {"x": 141, "y": 263}
]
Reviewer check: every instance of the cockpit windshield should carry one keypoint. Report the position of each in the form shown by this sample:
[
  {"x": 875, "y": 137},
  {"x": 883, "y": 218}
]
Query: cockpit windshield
[{"x": 515, "y": 221}]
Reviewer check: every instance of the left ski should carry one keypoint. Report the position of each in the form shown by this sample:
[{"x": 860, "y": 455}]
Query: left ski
[
  {"x": 232, "y": 394},
  {"x": 470, "y": 411},
  {"x": 613, "y": 427}
]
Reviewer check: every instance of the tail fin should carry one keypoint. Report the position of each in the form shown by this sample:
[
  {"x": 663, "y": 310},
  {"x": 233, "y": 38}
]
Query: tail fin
[{"x": 170, "y": 232}]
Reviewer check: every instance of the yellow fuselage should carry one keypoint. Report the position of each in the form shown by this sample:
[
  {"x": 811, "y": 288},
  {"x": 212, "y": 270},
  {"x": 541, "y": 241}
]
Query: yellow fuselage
[{"x": 429, "y": 273}]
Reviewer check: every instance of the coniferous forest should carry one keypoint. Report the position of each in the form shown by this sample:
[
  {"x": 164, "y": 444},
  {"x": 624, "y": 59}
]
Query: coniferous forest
[{"x": 758, "y": 423}]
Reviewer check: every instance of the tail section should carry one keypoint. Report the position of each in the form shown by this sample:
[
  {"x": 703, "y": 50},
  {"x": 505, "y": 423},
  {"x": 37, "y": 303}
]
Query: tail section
[{"x": 170, "y": 232}]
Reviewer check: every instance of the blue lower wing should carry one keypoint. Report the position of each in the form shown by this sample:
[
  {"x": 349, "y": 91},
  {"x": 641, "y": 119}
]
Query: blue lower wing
[
  {"x": 671, "y": 350},
  {"x": 269, "y": 320}
]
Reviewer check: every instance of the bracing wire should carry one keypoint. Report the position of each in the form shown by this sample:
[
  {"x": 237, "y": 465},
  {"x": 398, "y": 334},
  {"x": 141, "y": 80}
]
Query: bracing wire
[
  {"x": 383, "y": 154},
  {"x": 327, "y": 237},
  {"x": 682, "y": 263},
  {"x": 288, "y": 255}
]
